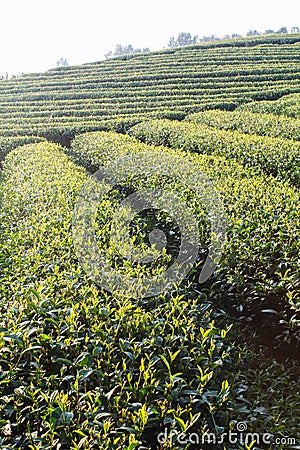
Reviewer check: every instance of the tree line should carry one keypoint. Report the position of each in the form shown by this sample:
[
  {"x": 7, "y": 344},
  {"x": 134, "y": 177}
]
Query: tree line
[{"x": 184, "y": 39}]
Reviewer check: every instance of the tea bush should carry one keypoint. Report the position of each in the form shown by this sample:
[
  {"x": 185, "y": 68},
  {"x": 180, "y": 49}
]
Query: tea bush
[
  {"x": 250, "y": 123},
  {"x": 274, "y": 156},
  {"x": 260, "y": 269},
  {"x": 288, "y": 105},
  {"x": 79, "y": 368}
]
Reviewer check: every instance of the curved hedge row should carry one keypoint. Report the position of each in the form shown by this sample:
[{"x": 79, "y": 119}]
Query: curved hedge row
[
  {"x": 250, "y": 123},
  {"x": 8, "y": 143},
  {"x": 97, "y": 149},
  {"x": 260, "y": 266},
  {"x": 278, "y": 157},
  {"x": 81, "y": 369},
  {"x": 288, "y": 106}
]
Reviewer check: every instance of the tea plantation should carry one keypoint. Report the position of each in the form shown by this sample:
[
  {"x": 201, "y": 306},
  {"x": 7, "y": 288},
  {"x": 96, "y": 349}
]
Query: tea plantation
[{"x": 86, "y": 367}]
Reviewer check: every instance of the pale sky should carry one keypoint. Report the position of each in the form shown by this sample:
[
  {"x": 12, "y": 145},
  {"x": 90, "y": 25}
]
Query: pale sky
[{"x": 35, "y": 34}]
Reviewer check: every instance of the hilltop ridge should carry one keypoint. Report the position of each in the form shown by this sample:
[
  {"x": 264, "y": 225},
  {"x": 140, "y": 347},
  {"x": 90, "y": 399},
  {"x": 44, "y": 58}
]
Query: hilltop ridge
[{"x": 171, "y": 83}]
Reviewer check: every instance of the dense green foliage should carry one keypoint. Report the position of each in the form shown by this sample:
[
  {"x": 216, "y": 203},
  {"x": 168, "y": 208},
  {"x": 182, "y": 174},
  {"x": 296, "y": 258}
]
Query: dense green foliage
[
  {"x": 91, "y": 371},
  {"x": 8, "y": 143},
  {"x": 270, "y": 394},
  {"x": 96, "y": 149},
  {"x": 289, "y": 106},
  {"x": 274, "y": 156},
  {"x": 250, "y": 123},
  {"x": 260, "y": 265},
  {"x": 105, "y": 372}
]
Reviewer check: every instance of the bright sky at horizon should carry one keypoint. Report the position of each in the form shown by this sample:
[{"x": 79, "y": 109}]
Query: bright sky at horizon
[{"x": 36, "y": 33}]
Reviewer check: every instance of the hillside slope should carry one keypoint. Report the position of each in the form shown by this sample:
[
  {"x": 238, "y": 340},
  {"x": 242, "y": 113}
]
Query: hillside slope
[{"x": 120, "y": 92}]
